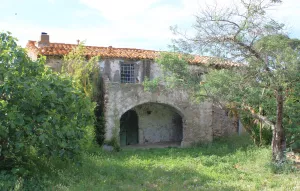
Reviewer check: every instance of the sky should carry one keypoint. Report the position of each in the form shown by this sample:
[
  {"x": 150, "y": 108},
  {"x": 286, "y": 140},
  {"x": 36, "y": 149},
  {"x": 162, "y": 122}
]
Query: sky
[{"x": 143, "y": 24}]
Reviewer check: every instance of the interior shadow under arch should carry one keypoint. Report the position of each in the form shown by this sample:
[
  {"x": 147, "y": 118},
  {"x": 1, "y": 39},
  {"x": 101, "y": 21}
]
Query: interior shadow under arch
[
  {"x": 129, "y": 134},
  {"x": 151, "y": 123}
]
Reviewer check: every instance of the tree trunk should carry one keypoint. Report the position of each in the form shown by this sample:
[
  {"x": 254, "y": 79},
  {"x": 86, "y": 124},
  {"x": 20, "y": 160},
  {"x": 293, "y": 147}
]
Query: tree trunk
[
  {"x": 278, "y": 140},
  {"x": 260, "y": 127}
]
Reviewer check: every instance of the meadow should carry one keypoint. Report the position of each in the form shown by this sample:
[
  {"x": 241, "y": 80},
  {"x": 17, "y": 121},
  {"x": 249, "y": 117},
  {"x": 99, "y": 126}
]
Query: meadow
[{"x": 228, "y": 164}]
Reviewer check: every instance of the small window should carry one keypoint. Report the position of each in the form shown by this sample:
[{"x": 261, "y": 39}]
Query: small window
[{"x": 127, "y": 73}]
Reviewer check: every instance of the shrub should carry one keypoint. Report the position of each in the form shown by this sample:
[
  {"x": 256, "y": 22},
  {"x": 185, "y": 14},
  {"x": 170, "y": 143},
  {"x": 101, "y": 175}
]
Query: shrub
[
  {"x": 87, "y": 77},
  {"x": 41, "y": 113}
]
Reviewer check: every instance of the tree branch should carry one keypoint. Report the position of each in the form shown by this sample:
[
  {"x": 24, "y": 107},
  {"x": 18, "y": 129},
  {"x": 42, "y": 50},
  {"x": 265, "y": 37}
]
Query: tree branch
[{"x": 258, "y": 116}]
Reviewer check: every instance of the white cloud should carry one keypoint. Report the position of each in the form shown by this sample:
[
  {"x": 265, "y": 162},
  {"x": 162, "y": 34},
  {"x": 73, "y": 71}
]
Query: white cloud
[
  {"x": 132, "y": 23},
  {"x": 148, "y": 21},
  {"x": 116, "y": 10},
  {"x": 99, "y": 36}
]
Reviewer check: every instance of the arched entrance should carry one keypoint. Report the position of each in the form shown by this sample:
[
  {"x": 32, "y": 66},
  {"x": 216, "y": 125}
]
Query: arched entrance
[
  {"x": 129, "y": 129},
  {"x": 151, "y": 123}
]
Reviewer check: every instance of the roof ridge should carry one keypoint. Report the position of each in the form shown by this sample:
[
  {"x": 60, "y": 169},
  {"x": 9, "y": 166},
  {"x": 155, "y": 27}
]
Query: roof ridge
[
  {"x": 56, "y": 49},
  {"x": 91, "y": 46}
]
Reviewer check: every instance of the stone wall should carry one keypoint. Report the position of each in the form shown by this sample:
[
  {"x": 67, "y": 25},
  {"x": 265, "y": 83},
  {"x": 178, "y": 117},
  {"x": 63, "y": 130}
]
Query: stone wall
[
  {"x": 223, "y": 124},
  {"x": 55, "y": 63},
  {"x": 200, "y": 122},
  {"x": 158, "y": 123},
  {"x": 119, "y": 98},
  {"x": 110, "y": 68}
]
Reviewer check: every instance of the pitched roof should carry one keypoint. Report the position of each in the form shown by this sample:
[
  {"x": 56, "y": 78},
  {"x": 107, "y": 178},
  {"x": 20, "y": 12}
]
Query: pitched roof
[{"x": 58, "y": 49}]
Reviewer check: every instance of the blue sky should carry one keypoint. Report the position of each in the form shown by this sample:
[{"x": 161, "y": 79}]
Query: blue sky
[{"x": 119, "y": 23}]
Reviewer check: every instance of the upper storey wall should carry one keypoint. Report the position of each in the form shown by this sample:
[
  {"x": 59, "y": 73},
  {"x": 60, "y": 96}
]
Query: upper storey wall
[{"x": 111, "y": 68}]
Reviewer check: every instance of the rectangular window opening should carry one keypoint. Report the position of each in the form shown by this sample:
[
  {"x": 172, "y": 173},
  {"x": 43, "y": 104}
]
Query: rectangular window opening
[{"x": 127, "y": 73}]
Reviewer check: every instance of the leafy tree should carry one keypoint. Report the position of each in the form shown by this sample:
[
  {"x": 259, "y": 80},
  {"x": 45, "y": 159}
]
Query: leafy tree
[
  {"x": 265, "y": 85},
  {"x": 41, "y": 113},
  {"x": 258, "y": 89},
  {"x": 86, "y": 73}
]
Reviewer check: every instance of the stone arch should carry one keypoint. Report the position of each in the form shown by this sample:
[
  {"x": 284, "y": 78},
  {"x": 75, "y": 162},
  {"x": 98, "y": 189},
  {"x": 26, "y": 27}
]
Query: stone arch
[
  {"x": 157, "y": 123},
  {"x": 196, "y": 118},
  {"x": 176, "y": 108}
]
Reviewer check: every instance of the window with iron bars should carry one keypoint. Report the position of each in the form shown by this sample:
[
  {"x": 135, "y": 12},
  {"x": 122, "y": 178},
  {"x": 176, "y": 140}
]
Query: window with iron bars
[{"x": 127, "y": 73}]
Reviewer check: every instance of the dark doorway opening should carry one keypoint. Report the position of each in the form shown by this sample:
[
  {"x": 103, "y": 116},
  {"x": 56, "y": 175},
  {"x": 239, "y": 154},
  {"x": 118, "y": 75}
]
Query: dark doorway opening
[{"x": 129, "y": 129}]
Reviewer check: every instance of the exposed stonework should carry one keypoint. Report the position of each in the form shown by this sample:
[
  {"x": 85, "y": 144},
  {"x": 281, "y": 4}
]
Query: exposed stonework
[
  {"x": 55, "y": 63},
  {"x": 110, "y": 68},
  {"x": 158, "y": 123},
  {"x": 200, "y": 122},
  {"x": 163, "y": 115},
  {"x": 223, "y": 124},
  {"x": 197, "y": 118}
]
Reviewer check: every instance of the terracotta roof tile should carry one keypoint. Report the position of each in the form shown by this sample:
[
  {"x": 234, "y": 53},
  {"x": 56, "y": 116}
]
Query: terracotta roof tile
[{"x": 110, "y": 52}]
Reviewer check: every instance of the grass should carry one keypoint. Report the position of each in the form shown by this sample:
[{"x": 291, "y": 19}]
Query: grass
[{"x": 223, "y": 165}]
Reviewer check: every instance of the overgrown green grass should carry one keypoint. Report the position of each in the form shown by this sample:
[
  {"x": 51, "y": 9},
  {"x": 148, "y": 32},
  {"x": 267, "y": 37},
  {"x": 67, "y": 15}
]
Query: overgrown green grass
[{"x": 224, "y": 165}]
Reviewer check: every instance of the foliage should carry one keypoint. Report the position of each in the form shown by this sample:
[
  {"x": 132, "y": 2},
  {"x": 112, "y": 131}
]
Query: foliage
[
  {"x": 85, "y": 71},
  {"x": 226, "y": 164},
  {"x": 115, "y": 139},
  {"x": 114, "y": 143},
  {"x": 256, "y": 85},
  {"x": 229, "y": 31},
  {"x": 151, "y": 85},
  {"x": 41, "y": 113},
  {"x": 178, "y": 74},
  {"x": 175, "y": 68},
  {"x": 263, "y": 86},
  {"x": 260, "y": 133},
  {"x": 292, "y": 120}
]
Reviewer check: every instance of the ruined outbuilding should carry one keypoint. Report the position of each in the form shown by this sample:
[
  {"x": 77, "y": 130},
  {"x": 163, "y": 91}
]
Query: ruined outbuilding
[{"x": 135, "y": 116}]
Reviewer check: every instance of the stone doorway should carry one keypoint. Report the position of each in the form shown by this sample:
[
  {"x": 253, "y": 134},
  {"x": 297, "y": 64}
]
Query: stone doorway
[
  {"x": 159, "y": 123},
  {"x": 151, "y": 124},
  {"x": 129, "y": 129}
]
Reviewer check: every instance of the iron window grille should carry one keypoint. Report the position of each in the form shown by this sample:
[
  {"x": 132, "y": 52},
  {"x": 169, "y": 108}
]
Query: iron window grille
[{"x": 127, "y": 73}]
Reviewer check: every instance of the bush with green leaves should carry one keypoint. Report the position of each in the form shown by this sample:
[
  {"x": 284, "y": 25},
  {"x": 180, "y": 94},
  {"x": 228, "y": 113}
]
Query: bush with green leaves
[
  {"x": 86, "y": 74},
  {"x": 41, "y": 113}
]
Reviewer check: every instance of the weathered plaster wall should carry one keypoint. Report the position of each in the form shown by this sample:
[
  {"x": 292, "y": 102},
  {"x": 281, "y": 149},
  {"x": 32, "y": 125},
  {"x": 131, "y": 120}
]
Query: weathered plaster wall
[
  {"x": 155, "y": 71},
  {"x": 223, "y": 124},
  {"x": 158, "y": 123},
  {"x": 119, "y": 98},
  {"x": 55, "y": 63},
  {"x": 200, "y": 122},
  {"x": 111, "y": 69},
  {"x": 32, "y": 54}
]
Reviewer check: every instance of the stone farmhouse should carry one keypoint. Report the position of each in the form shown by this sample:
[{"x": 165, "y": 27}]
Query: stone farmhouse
[{"x": 135, "y": 116}]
